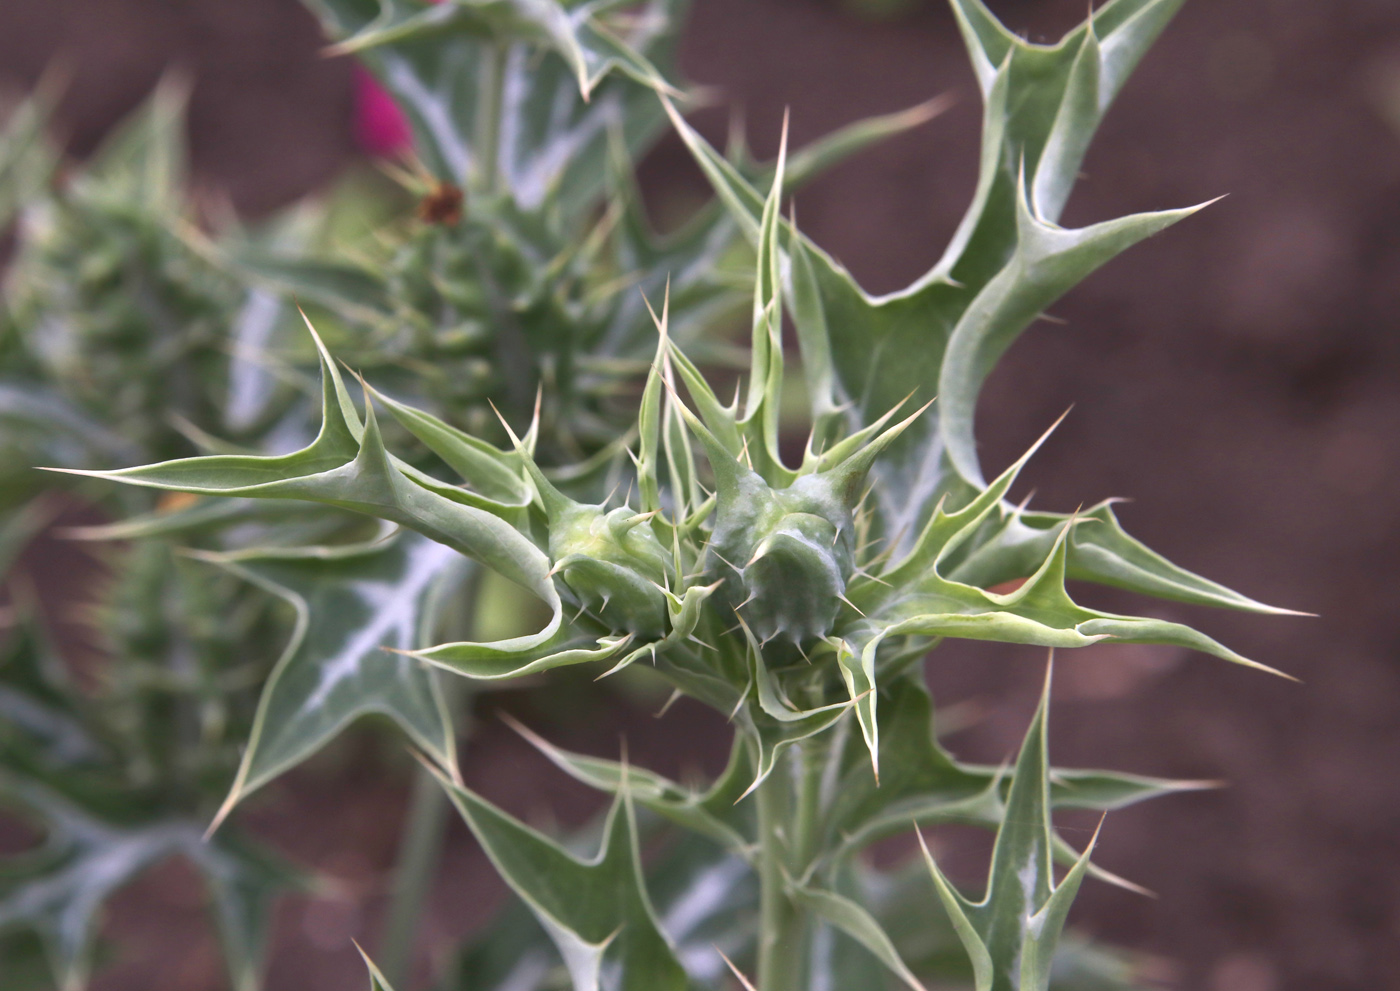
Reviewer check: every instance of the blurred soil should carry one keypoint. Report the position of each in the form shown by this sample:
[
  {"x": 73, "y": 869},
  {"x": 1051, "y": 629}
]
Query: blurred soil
[{"x": 1238, "y": 377}]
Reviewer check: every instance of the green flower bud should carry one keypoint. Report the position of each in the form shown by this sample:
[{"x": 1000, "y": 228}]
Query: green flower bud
[
  {"x": 613, "y": 565},
  {"x": 785, "y": 555}
]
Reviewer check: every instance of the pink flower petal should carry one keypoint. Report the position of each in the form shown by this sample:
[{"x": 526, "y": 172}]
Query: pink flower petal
[{"x": 381, "y": 129}]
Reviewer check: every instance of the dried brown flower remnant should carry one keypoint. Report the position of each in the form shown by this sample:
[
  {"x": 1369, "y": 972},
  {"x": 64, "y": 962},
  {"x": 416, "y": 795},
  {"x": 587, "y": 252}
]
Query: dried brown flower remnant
[{"x": 443, "y": 205}]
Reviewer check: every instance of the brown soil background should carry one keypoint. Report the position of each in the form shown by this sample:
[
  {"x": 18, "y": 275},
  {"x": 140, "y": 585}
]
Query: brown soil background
[{"x": 1237, "y": 377}]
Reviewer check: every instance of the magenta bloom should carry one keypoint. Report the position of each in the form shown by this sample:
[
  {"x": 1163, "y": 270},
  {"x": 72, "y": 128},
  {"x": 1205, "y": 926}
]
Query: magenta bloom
[{"x": 381, "y": 129}]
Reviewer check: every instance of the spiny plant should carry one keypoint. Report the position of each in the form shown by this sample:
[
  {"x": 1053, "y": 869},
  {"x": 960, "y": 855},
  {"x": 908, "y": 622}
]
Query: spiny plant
[
  {"x": 797, "y": 599},
  {"x": 523, "y": 271},
  {"x": 120, "y": 775},
  {"x": 107, "y": 300},
  {"x": 123, "y": 337},
  {"x": 519, "y": 280},
  {"x": 132, "y": 333}
]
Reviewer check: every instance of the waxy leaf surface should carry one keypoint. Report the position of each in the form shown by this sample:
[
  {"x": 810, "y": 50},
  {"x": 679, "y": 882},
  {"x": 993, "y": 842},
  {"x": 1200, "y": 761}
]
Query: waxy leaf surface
[
  {"x": 360, "y": 609},
  {"x": 596, "y": 911}
]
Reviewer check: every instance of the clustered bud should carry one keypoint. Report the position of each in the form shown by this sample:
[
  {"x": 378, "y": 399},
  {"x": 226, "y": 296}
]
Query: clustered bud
[
  {"x": 785, "y": 555},
  {"x": 614, "y": 564}
]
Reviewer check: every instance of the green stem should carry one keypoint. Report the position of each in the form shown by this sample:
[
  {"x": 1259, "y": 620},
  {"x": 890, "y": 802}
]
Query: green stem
[
  {"x": 490, "y": 108},
  {"x": 420, "y": 843},
  {"x": 780, "y": 933},
  {"x": 807, "y": 821},
  {"x": 419, "y": 849}
]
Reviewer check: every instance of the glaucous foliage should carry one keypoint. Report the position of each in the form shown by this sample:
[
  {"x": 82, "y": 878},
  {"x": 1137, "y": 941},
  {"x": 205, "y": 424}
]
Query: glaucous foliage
[{"x": 798, "y": 598}]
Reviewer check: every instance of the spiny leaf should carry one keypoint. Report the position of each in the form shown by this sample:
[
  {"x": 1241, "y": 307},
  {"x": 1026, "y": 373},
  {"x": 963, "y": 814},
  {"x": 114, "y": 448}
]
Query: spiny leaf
[
  {"x": 913, "y": 598},
  {"x": 1046, "y": 262},
  {"x": 1101, "y": 552},
  {"x": 1011, "y": 934},
  {"x": 594, "y": 910},
  {"x": 244, "y": 882},
  {"x": 347, "y": 466},
  {"x": 856, "y": 922},
  {"x": 494, "y": 473},
  {"x": 1043, "y": 104},
  {"x": 899, "y": 900},
  {"x": 831, "y": 149},
  {"x": 27, "y": 156},
  {"x": 377, "y": 980},
  {"x": 59, "y": 890},
  {"x": 705, "y": 900},
  {"x": 919, "y": 781},
  {"x": 199, "y": 516},
  {"x": 576, "y": 35},
  {"x": 144, "y": 160},
  {"x": 711, "y": 813},
  {"x": 352, "y": 602},
  {"x": 562, "y": 101},
  {"x": 770, "y": 737},
  {"x": 44, "y": 718},
  {"x": 67, "y": 434}
]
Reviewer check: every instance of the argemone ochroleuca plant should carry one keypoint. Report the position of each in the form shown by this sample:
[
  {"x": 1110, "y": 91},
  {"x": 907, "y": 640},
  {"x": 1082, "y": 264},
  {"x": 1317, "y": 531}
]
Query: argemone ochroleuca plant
[{"x": 798, "y": 597}]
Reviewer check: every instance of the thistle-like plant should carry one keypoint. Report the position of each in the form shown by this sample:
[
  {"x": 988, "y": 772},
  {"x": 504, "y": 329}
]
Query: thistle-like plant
[
  {"x": 798, "y": 599},
  {"x": 122, "y": 338},
  {"x": 131, "y": 334},
  {"x": 522, "y": 273}
]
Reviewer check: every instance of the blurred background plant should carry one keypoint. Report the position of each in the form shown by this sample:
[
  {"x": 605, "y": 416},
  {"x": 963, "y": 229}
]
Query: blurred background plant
[{"x": 121, "y": 336}]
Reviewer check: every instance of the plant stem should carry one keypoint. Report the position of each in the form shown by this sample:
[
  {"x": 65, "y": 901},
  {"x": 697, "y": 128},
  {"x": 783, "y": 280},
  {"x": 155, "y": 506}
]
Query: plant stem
[
  {"x": 419, "y": 848},
  {"x": 420, "y": 843},
  {"x": 807, "y": 820},
  {"x": 490, "y": 108},
  {"x": 780, "y": 933}
]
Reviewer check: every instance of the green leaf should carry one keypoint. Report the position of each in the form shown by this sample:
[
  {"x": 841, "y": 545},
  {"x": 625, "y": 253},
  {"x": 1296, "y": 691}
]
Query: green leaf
[
  {"x": 244, "y": 882},
  {"x": 377, "y": 980},
  {"x": 144, "y": 161},
  {"x": 919, "y": 781},
  {"x": 898, "y": 899},
  {"x": 359, "y": 609},
  {"x": 61, "y": 432},
  {"x": 1047, "y": 261},
  {"x": 355, "y": 291},
  {"x": 913, "y": 598},
  {"x": 202, "y": 516},
  {"x": 499, "y": 475},
  {"x": 44, "y": 723},
  {"x": 347, "y": 466},
  {"x": 1011, "y": 934},
  {"x": 1105, "y": 791},
  {"x": 1007, "y": 261},
  {"x": 24, "y": 964},
  {"x": 830, "y": 150},
  {"x": 27, "y": 156},
  {"x": 856, "y": 922},
  {"x": 711, "y": 813},
  {"x": 688, "y": 268},
  {"x": 578, "y": 36},
  {"x": 558, "y": 103},
  {"x": 512, "y": 953},
  {"x": 58, "y": 890},
  {"x": 1104, "y": 553},
  {"x": 596, "y": 911},
  {"x": 706, "y": 901},
  {"x": 921, "y": 784},
  {"x": 337, "y": 443}
]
